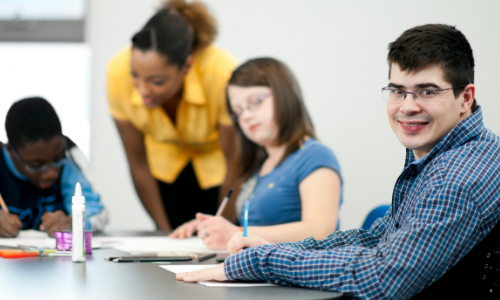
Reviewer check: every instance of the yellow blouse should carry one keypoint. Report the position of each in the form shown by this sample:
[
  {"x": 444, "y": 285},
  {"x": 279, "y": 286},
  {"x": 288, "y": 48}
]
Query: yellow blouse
[{"x": 195, "y": 138}]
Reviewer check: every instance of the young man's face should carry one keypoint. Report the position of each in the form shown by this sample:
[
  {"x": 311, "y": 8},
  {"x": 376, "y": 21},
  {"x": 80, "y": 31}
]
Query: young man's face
[
  {"x": 421, "y": 125},
  {"x": 37, "y": 154}
]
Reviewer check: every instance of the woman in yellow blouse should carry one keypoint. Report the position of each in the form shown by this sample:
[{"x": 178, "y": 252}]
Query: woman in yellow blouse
[{"x": 166, "y": 94}]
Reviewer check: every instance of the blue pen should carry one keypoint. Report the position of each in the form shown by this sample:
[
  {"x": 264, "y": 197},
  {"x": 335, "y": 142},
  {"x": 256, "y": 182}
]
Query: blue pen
[{"x": 245, "y": 221}]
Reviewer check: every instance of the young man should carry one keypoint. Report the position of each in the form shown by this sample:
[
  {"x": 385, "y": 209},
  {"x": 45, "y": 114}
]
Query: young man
[
  {"x": 39, "y": 169},
  {"x": 446, "y": 200}
]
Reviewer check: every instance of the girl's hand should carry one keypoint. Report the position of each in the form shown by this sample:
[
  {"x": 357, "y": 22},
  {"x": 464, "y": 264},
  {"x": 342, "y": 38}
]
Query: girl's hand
[
  {"x": 215, "y": 231},
  {"x": 238, "y": 242}
]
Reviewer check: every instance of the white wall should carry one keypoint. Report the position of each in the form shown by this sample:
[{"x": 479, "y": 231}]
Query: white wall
[
  {"x": 58, "y": 72},
  {"x": 337, "y": 49}
]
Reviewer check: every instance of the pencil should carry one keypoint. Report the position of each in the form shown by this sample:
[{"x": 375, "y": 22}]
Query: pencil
[
  {"x": 2, "y": 203},
  {"x": 224, "y": 202}
]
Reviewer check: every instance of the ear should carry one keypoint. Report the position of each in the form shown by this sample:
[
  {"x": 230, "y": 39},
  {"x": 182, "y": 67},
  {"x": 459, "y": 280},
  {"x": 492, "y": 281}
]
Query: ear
[
  {"x": 469, "y": 94},
  {"x": 9, "y": 148},
  {"x": 188, "y": 64}
]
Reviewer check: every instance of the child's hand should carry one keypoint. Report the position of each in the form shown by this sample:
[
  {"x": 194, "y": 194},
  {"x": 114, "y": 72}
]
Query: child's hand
[
  {"x": 52, "y": 221},
  {"x": 10, "y": 225}
]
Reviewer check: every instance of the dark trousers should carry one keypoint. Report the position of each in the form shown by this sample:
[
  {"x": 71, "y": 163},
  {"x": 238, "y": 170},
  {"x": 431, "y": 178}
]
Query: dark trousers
[{"x": 184, "y": 198}]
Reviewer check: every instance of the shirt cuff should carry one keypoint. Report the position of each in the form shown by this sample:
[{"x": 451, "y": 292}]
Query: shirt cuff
[{"x": 245, "y": 265}]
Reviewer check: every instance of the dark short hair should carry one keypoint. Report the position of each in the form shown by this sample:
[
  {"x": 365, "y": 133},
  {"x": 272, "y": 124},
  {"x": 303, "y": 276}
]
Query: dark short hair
[
  {"x": 177, "y": 30},
  {"x": 435, "y": 44},
  {"x": 290, "y": 111},
  {"x": 31, "y": 120}
]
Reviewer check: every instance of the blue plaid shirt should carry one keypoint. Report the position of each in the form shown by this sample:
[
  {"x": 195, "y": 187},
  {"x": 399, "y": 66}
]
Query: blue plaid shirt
[{"x": 442, "y": 206}]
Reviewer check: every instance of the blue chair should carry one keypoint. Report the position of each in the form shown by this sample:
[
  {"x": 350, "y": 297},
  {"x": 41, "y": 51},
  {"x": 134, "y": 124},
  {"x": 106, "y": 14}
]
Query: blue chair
[{"x": 377, "y": 212}]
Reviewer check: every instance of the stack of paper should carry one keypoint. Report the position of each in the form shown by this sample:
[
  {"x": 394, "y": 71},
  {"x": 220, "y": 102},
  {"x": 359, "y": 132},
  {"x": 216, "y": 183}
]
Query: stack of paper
[
  {"x": 189, "y": 268},
  {"x": 127, "y": 244},
  {"x": 155, "y": 244},
  {"x": 30, "y": 237}
]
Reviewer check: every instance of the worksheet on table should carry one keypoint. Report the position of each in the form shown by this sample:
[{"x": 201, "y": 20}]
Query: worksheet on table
[
  {"x": 30, "y": 237},
  {"x": 155, "y": 244},
  {"x": 132, "y": 245},
  {"x": 189, "y": 268}
]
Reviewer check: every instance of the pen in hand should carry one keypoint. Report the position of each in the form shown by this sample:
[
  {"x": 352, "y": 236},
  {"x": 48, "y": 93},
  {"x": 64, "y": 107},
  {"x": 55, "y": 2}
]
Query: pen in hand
[
  {"x": 224, "y": 202},
  {"x": 245, "y": 221}
]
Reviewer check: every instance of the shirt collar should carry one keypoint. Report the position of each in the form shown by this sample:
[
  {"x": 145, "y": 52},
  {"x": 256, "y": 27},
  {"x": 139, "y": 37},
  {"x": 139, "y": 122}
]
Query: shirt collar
[
  {"x": 459, "y": 135},
  {"x": 192, "y": 90},
  {"x": 10, "y": 165}
]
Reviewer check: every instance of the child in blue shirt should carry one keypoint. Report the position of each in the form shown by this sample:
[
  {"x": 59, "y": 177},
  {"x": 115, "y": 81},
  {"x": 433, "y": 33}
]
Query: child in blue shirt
[
  {"x": 294, "y": 183},
  {"x": 39, "y": 168}
]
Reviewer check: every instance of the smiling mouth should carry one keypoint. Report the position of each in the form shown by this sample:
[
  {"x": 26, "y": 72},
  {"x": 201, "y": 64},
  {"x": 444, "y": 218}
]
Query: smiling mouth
[
  {"x": 412, "y": 127},
  {"x": 414, "y": 124},
  {"x": 253, "y": 127}
]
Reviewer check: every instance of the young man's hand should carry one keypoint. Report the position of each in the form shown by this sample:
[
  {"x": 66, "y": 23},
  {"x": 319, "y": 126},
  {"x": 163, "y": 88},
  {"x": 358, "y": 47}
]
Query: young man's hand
[
  {"x": 10, "y": 225},
  {"x": 214, "y": 273},
  {"x": 52, "y": 221},
  {"x": 238, "y": 242}
]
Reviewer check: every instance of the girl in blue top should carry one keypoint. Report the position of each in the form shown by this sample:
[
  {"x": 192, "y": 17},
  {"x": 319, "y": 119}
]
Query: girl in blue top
[{"x": 293, "y": 181}]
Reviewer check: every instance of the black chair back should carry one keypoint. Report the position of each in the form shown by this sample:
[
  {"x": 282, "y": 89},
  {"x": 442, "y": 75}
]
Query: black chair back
[{"x": 475, "y": 276}]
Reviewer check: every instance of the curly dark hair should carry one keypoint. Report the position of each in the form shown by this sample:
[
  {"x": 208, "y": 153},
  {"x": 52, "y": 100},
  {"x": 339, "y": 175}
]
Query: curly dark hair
[
  {"x": 31, "y": 120},
  {"x": 177, "y": 30}
]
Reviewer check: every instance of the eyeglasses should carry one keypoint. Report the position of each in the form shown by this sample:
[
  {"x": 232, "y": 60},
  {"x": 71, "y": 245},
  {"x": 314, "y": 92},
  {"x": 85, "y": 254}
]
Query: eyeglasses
[
  {"x": 393, "y": 95},
  {"x": 253, "y": 105},
  {"x": 40, "y": 169}
]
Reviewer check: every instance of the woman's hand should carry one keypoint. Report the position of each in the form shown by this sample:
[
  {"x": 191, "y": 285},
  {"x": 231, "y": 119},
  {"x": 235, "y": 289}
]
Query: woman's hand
[
  {"x": 186, "y": 230},
  {"x": 238, "y": 242},
  {"x": 214, "y": 273},
  {"x": 215, "y": 231}
]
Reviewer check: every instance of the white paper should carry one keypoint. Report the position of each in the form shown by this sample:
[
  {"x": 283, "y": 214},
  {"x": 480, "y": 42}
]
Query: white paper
[
  {"x": 185, "y": 268},
  {"x": 32, "y": 234},
  {"x": 189, "y": 268},
  {"x": 30, "y": 237},
  {"x": 155, "y": 244}
]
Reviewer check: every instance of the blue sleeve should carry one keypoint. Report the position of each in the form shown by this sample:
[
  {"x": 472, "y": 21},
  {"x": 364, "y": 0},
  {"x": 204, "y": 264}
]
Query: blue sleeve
[
  {"x": 411, "y": 258},
  {"x": 71, "y": 174},
  {"x": 317, "y": 156},
  {"x": 359, "y": 237}
]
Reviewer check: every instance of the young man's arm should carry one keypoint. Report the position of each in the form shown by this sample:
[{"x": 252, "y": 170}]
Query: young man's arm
[
  {"x": 412, "y": 257},
  {"x": 358, "y": 237}
]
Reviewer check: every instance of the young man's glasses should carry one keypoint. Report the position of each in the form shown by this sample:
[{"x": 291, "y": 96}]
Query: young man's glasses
[
  {"x": 394, "y": 95},
  {"x": 252, "y": 106},
  {"x": 43, "y": 168}
]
